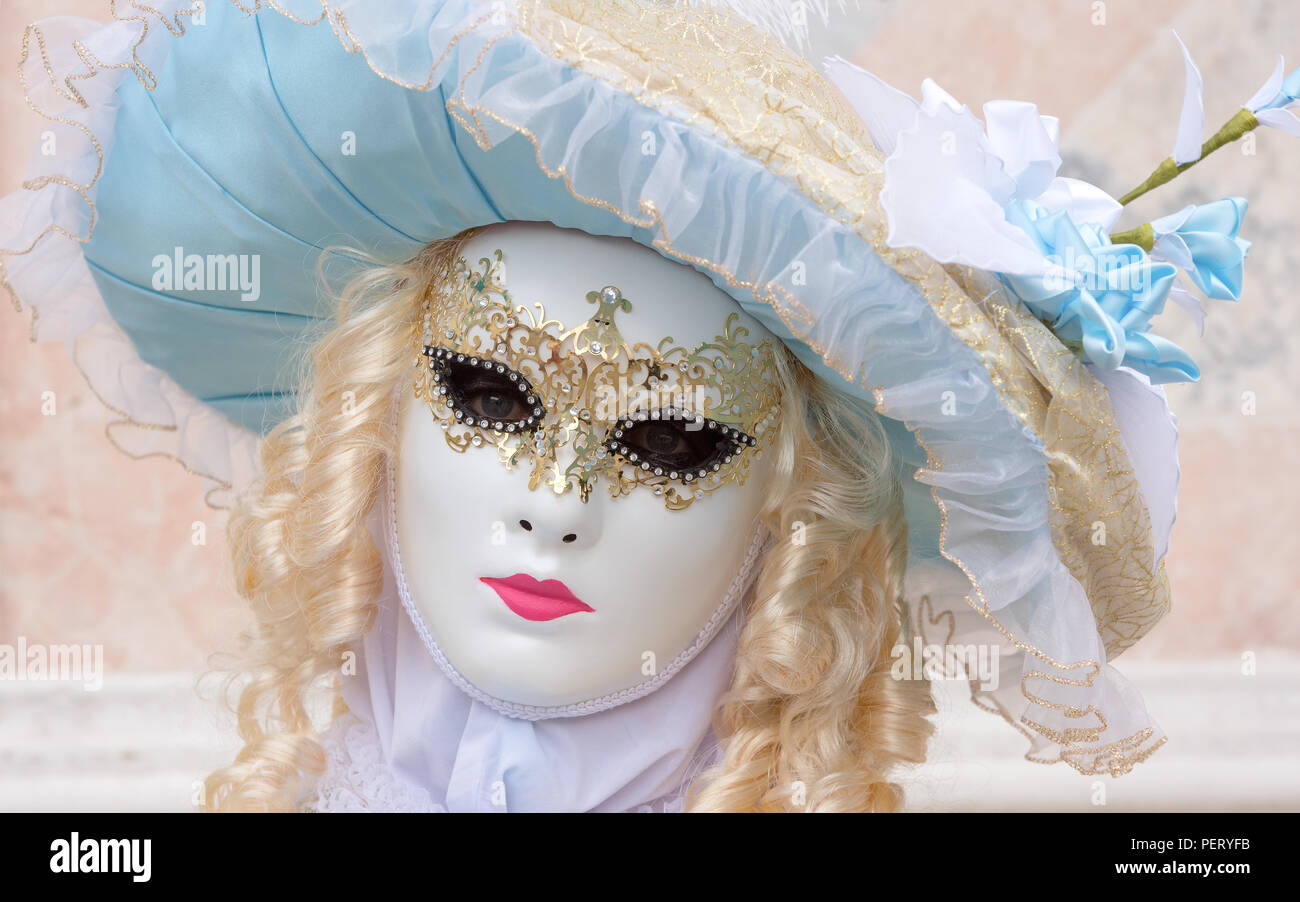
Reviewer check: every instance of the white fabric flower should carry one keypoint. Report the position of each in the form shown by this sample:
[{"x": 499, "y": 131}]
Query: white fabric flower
[
  {"x": 1191, "y": 121},
  {"x": 949, "y": 176},
  {"x": 1270, "y": 105}
]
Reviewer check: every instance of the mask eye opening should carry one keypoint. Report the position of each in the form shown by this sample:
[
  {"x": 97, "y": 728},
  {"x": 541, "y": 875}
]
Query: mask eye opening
[
  {"x": 729, "y": 441},
  {"x": 445, "y": 366}
]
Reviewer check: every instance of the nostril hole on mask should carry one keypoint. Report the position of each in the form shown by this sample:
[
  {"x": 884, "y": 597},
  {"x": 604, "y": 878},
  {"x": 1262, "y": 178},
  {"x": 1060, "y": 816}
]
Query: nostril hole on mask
[
  {"x": 526, "y": 525},
  {"x": 571, "y": 537}
]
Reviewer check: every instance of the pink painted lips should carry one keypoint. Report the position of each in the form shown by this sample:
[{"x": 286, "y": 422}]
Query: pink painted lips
[{"x": 533, "y": 600}]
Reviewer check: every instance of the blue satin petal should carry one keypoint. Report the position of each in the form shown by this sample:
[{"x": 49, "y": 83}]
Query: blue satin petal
[
  {"x": 1103, "y": 342},
  {"x": 1288, "y": 93},
  {"x": 1119, "y": 289},
  {"x": 1210, "y": 234},
  {"x": 1160, "y": 360}
]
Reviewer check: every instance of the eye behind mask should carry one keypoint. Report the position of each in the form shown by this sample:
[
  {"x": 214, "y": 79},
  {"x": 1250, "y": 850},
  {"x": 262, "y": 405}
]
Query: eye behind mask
[
  {"x": 676, "y": 443},
  {"x": 483, "y": 392}
]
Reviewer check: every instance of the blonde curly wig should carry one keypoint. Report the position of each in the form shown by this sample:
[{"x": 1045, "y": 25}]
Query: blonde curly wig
[{"x": 813, "y": 720}]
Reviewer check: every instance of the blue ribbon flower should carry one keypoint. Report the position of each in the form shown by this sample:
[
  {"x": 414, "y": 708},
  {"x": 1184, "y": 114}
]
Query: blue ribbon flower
[
  {"x": 1272, "y": 104},
  {"x": 1287, "y": 93},
  {"x": 1100, "y": 297},
  {"x": 1203, "y": 242}
]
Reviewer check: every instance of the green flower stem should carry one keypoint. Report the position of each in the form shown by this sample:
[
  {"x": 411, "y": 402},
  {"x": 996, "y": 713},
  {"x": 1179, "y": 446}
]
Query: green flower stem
[
  {"x": 1233, "y": 129},
  {"x": 1143, "y": 236}
]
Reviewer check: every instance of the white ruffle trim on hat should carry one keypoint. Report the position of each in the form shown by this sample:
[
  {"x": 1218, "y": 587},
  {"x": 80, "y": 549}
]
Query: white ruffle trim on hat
[{"x": 43, "y": 226}]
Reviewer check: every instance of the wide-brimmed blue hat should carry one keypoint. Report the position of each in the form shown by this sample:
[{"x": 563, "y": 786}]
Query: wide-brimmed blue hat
[{"x": 204, "y": 161}]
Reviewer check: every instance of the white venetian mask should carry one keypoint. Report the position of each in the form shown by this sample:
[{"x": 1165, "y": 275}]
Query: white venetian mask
[{"x": 581, "y": 467}]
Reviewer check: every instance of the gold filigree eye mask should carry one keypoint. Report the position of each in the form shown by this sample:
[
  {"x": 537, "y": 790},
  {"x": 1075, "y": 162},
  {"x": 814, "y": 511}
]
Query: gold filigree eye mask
[{"x": 680, "y": 422}]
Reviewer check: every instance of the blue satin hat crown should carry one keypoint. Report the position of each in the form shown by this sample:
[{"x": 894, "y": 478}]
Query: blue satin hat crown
[{"x": 264, "y": 142}]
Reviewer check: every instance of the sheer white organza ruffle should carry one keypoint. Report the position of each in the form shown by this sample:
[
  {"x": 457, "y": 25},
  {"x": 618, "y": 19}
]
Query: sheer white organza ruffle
[{"x": 42, "y": 229}]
